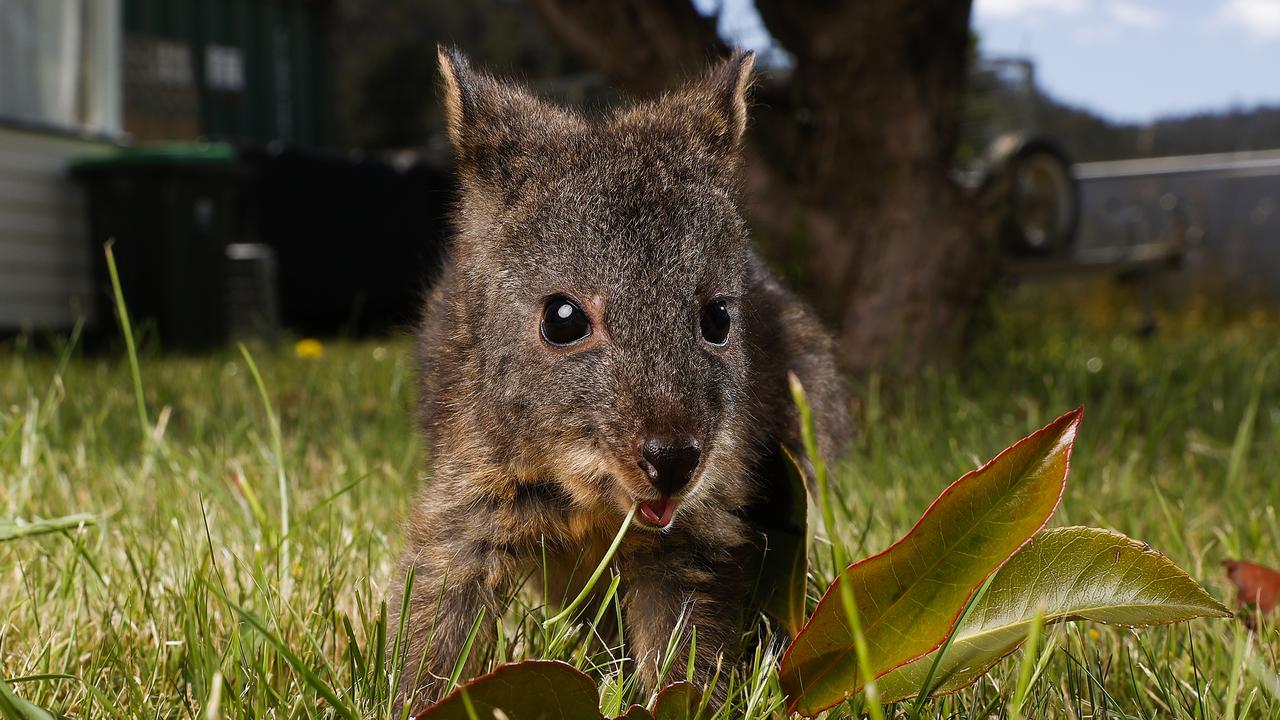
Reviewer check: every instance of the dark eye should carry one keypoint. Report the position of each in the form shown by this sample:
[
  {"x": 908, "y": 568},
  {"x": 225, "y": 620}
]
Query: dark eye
[
  {"x": 563, "y": 322},
  {"x": 715, "y": 322}
]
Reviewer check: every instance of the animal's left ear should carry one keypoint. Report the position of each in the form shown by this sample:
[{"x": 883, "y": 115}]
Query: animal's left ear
[{"x": 718, "y": 102}]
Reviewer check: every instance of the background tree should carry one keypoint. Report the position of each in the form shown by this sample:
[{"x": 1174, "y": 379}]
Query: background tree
[
  {"x": 386, "y": 74},
  {"x": 850, "y": 155}
]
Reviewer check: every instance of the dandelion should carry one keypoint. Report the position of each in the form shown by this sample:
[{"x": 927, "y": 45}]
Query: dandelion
[{"x": 308, "y": 348}]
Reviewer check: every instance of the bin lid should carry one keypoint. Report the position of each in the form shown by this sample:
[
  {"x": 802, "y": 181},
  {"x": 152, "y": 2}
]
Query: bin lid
[{"x": 203, "y": 155}]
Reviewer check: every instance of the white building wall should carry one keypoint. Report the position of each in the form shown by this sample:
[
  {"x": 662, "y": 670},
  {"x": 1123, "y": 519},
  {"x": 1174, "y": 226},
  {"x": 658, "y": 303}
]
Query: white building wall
[
  {"x": 60, "y": 63},
  {"x": 60, "y": 83},
  {"x": 45, "y": 260}
]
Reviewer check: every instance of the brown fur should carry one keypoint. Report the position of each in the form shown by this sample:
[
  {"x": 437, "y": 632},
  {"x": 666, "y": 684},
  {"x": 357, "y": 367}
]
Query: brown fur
[{"x": 635, "y": 215}]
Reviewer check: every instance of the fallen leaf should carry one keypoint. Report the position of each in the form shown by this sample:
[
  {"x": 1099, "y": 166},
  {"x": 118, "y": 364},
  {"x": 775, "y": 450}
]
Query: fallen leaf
[
  {"x": 1256, "y": 585},
  {"x": 678, "y": 701},
  {"x": 528, "y": 690}
]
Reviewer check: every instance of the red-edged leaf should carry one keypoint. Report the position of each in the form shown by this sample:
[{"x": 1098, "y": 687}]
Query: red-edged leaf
[
  {"x": 528, "y": 690},
  {"x": 678, "y": 701},
  {"x": 909, "y": 597},
  {"x": 1256, "y": 585},
  {"x": 1063, "y": 574}
]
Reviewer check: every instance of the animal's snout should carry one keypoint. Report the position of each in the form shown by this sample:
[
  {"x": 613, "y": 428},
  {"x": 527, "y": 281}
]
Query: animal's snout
[{"x": 669, "y": 462}]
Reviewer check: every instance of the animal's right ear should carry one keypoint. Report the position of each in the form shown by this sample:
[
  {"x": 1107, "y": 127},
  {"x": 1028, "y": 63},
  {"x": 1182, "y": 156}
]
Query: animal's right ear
[{"x": 491, "y": 124}]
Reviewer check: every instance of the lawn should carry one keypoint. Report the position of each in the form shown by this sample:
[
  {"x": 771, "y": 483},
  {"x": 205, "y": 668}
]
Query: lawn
[{"x": 230, "y": 571}]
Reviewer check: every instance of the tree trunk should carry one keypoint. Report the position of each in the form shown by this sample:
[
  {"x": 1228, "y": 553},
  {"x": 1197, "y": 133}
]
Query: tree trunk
[{"x": 851, "y": 157}]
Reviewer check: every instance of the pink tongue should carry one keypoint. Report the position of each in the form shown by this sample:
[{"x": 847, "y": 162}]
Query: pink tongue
[{"x": 658, "y": 512}]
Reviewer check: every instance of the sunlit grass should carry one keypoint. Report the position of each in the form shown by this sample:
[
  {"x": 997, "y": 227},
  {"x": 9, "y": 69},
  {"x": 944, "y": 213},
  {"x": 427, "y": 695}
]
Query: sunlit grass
[{"x": 178, "y": 602}]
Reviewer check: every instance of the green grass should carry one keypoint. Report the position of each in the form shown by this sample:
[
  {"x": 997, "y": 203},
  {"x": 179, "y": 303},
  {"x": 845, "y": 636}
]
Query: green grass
[{"x": 178, "y": 602}]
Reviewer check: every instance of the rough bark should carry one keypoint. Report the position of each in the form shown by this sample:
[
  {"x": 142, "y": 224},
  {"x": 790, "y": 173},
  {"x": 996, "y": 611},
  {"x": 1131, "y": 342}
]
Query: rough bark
[{"x": 851, "y": 155}]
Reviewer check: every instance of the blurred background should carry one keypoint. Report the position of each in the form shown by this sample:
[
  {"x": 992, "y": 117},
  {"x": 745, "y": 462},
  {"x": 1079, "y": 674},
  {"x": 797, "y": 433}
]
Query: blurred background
[{"x": 275, "y": 168}]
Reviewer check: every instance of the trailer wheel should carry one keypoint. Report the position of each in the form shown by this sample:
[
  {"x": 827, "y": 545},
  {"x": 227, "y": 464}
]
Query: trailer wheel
[{"x": 1042, "y": 207}]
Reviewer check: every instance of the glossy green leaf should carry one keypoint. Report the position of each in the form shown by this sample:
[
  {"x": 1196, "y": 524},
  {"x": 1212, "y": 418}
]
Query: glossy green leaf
[
  {"x": 784, "y": 569},
  {"x": 909, "y": 597},
  {"x": 528, "y": 690},
  {"x": 1074, "y": 573}
]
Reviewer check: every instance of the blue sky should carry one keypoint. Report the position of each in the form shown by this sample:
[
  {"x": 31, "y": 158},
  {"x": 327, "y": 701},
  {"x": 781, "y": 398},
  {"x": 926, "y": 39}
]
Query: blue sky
[
  {"x": 1131, "y": 60},
  {"x": 1139, "y": 59}
]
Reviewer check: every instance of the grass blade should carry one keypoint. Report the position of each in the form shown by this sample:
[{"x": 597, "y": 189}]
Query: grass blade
[
  {"x": 309, "y": 676},
  {"x": 926, "y": 687},
  {"x": 17, "y": 529},
  {"x": 862, "y": 653},
  {"x": 126, "y": 329},
  {"x": 277, "y": 449},
  {"x": 595, "y": 576},
  {"x": 13, "y": 707}
]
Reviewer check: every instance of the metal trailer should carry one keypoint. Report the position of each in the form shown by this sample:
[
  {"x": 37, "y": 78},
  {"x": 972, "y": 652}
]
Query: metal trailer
[{"x": 1215, "y": 217}]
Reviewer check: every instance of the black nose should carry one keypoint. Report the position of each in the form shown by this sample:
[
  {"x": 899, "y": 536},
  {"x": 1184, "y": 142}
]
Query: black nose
[{"x": 669, "y": 463}]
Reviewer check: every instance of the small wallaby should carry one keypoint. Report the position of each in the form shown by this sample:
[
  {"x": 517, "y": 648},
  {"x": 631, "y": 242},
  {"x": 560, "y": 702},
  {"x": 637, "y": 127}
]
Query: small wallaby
[{"x": 602, "y": 335}]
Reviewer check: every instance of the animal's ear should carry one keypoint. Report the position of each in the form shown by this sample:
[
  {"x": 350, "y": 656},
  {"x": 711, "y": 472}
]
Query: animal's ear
[
  {"x": 718, "y": 101},
  {"x": 492, "y": 125},
  {"x": 458, "y": 81}
]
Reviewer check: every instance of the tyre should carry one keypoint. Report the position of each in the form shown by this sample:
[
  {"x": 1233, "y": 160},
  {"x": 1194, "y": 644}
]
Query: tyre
[{"x": 1042, "y": 207}]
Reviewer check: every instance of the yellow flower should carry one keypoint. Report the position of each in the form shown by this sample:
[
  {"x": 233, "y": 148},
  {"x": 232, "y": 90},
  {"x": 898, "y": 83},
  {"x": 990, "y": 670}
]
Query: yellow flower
[{"x": 308, "y": 348}]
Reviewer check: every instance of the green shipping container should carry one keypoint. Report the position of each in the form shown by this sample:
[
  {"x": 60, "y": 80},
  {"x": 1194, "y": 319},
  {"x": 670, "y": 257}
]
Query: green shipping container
[{"x": 238, "y": 70}]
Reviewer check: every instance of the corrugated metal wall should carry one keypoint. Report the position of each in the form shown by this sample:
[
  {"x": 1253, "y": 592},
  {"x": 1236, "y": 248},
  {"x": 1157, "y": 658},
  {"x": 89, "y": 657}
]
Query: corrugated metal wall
[
  {"x": 44, "y": 247},
  {"x": 1224, "y": 208}
]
